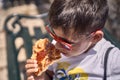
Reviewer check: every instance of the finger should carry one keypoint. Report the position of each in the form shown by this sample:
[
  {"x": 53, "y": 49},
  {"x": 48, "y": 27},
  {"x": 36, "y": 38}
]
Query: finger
[
  {"x": 31, "y": 61},
  {"x": 31, "y": 71},
  {"x": 30, "y": 78},
  {"x": 28, "y": 66}
]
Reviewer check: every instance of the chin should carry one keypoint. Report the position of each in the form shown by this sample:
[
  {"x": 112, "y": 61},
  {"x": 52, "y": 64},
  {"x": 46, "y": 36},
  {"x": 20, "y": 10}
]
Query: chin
[
  {"x": 69, "y": 54},
  {"x": 66, "y": 54},
  {"x": 73, "y": 54}
]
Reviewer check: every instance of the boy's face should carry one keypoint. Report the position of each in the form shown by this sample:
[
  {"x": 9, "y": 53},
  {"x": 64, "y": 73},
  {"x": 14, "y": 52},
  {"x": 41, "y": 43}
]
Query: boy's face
[{"x": 79, "y": 43}]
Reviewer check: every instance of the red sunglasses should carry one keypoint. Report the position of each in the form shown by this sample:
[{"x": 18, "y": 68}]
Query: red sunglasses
[
  {"x": 58, "y": 39},
  {"x": 62, "y": 41}
]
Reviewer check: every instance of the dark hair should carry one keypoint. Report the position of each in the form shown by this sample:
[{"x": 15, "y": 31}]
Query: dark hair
[{"x": 81, "y": 15}]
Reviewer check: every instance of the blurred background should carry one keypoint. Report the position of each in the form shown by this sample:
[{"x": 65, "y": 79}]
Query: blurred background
[{"x": 33, "y": 8}]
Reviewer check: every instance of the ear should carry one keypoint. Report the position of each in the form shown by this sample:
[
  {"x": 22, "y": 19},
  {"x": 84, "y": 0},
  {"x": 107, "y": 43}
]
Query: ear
[{"x": 97, "y": 36}]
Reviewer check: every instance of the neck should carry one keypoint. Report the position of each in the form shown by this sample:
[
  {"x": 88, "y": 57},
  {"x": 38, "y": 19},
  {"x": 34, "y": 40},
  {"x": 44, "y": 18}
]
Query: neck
[{"x": 92, "y": 45}]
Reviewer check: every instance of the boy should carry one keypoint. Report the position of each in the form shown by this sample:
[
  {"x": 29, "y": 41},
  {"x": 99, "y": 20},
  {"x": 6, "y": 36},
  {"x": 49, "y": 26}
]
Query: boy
[{"x": 76, "y": 26}]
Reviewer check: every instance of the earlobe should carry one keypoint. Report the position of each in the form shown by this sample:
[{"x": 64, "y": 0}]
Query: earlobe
[{"x": 97, "y": 36}]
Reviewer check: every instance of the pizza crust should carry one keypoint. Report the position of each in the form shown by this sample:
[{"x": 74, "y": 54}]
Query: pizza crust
[{"x": 45, "y": 53}]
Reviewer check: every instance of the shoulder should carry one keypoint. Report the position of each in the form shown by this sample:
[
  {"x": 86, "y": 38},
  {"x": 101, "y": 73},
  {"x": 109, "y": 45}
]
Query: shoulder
[
  {"x": 115, "y": 57},
  {"x": 102, "y": 47},
  {"x": 114, "y": 54}
]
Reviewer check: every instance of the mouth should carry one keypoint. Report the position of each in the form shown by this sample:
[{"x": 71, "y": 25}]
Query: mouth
[
  {"x": 66, "y": 53},
  {"x": 63, "y": 50}
]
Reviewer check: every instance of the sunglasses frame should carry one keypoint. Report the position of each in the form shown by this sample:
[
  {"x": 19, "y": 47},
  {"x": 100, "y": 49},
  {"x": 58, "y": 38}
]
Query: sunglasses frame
[{"x": 58, "y": 39}]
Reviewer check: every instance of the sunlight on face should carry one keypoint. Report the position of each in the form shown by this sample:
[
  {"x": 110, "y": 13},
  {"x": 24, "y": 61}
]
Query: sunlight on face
[{"x": 81, "y": 44}]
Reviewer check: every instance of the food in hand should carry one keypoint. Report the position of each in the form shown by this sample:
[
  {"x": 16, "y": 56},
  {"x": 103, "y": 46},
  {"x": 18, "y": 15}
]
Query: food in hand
[{"x": 45, "y": 53}]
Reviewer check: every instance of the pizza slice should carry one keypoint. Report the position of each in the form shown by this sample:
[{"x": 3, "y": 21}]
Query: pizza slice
[{"x": 45, "y": 53}]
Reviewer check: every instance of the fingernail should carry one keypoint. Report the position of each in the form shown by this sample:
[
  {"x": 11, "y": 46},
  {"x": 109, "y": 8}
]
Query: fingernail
[
  {"x": 31, "y": 77},
  {"x": 36, "y": 69},
  {"x": 36, "y": 65},
  {"x": 35, "y": 61}
]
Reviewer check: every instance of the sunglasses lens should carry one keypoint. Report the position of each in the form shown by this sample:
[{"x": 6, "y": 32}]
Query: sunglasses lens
[
  {"x": 58, "y": 39},
  {"x": 67, "y": 47}
]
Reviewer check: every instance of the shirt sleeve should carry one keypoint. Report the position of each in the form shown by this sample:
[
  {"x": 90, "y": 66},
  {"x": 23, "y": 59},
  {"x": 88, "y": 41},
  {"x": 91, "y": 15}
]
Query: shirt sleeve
[{"x": 115, "y": 73}]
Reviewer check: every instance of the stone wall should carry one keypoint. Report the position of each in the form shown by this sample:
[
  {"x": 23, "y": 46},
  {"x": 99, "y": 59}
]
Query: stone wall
[
  {"x": 3, "y": 57},
  {"x": 30, "y": 9}
]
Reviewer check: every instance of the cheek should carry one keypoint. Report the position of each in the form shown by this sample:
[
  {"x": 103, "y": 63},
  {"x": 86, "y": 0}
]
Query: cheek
[
  {"x": 58, "y": 46},
  {"x": 62, "y": 48},
  {"x": 83, "y": 46}
]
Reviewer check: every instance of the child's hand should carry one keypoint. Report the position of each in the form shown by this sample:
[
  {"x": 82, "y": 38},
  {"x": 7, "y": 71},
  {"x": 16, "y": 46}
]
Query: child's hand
[{"x": 32, "y": 67}]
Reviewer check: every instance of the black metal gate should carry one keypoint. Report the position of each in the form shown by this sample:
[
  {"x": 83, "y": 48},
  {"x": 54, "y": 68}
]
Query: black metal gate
[{"x": 15, "y": 68}]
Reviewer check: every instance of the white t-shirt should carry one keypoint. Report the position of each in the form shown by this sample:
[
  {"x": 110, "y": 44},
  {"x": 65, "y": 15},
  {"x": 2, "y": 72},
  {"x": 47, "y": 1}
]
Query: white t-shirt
[{"x": 90, "y": 65}]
